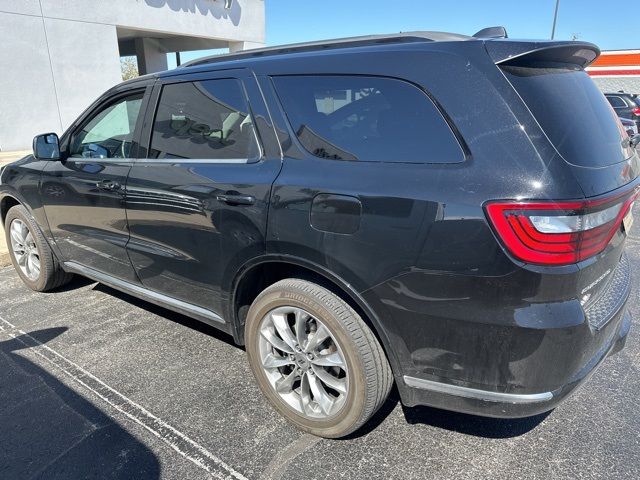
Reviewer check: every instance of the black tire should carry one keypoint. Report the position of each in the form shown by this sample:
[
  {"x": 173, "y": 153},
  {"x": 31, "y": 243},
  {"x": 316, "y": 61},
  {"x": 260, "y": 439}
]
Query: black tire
[
  {"x": 51, "y": 273},
  {"x": 370, "y": 377}
]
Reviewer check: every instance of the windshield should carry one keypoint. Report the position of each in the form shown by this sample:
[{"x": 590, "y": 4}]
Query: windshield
[{"x": 573, "y": 113}]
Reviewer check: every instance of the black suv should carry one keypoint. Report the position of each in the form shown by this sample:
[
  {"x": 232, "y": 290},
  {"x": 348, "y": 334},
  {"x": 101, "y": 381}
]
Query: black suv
[
  {"x": 440, "y": 212},
  {"x": 626, "y": 105}
]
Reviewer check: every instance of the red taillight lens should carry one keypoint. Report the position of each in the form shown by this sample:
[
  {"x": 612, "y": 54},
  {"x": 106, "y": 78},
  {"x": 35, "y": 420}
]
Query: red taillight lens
[
  {"x": 636, "y": 111},
  {"x": 558, "y": 233}
]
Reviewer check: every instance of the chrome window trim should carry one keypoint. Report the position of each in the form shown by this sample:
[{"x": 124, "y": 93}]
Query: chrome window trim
[{"x": 196, "y": 160}]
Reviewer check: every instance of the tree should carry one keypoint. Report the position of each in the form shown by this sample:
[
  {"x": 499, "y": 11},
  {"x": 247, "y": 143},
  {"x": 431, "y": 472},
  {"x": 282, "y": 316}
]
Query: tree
[{"x": 129, "y": 67}]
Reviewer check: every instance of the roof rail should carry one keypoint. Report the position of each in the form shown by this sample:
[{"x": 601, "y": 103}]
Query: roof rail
[
  {"x": 403, "y": 37},
  {"x": 492, "y": 32}
]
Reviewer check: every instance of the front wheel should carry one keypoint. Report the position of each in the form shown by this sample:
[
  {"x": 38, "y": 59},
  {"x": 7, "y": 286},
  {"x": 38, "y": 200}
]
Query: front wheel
[
  {"x": 30, "y": 253},
  {"x": 315, "y": 359}
]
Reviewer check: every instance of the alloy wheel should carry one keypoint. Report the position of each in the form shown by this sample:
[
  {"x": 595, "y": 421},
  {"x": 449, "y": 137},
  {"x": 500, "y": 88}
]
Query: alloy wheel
[
  {"x": 25, "y": 249},
  {"x": 303, "y": 362}
]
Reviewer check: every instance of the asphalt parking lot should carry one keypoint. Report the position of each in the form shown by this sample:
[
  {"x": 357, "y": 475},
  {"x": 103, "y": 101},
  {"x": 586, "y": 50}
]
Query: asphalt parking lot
[{"x": 96, "y": 384}]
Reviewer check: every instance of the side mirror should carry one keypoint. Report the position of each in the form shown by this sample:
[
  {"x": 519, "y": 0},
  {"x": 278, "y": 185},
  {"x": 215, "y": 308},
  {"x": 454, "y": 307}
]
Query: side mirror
[
  {"x": 46, "y": 147},
  {"x": 634, "y": 141}
]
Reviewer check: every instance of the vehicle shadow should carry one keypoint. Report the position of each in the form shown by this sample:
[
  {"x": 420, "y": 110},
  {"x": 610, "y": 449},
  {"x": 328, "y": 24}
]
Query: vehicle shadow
[
  {"x": 472, "y": 424},
  {"x": 76, "y": 282},
  {"x": 169, "y": 315},
  {"x": 447, "y": 420},
  {"x": 48, "y": 431}
]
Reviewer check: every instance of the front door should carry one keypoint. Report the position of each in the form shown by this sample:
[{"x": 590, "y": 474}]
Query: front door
[
  {"x": 197, "y": 205},
  {"x": 84, "y": 193}
]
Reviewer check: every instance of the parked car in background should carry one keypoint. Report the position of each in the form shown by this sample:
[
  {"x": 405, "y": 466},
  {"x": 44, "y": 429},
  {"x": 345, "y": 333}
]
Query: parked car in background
[
  {"x": 626, "y": 105},
  {"x": 419, "y": 209},
  {"x": 630, "y": 126}
]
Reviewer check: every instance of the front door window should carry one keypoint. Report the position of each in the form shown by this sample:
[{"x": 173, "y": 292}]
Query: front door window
[{"x": 108, "y": 134}]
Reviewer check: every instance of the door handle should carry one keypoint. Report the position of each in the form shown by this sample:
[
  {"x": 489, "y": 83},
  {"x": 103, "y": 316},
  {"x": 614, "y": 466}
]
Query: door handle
[
  {"x": 108, "y": 185},
  {"x": 236, "y": 198}
]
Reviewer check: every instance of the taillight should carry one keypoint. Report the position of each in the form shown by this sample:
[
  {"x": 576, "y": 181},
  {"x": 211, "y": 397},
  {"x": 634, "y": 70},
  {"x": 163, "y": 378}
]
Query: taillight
[
  {"x": 559, "y": 233},
  {"x": 636, "y": 111}
]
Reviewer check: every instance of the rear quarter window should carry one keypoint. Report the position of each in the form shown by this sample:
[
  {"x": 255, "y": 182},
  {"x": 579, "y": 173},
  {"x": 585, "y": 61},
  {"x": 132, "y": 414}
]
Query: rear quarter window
[{"x": 364, "y": 118}]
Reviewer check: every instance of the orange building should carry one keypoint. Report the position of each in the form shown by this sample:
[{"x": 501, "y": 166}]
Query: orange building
[{"x": 617, "y": 70}]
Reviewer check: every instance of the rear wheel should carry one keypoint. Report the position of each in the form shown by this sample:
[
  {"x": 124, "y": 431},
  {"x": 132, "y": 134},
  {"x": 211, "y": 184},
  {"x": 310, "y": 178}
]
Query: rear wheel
[
  {"x": 315, "y": 359},
  {"x": 30, "y": 253}
]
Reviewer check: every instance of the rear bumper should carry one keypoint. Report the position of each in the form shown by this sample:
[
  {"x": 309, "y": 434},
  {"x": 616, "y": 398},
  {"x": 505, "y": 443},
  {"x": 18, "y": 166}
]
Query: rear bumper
[{"x": 417, "y": 391}]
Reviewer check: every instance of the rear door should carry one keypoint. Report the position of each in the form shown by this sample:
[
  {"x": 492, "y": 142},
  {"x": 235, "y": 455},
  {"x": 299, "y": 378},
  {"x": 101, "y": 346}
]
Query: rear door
[
  {"x": 197, "y": 204},
  {"x": 83, "y": 194}
]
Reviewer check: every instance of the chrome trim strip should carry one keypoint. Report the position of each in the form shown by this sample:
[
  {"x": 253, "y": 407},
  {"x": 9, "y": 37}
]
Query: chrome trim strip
[
  {"x": 476, "y": 394},
  {"x": 177, "y": 161},
  {"x": 144, "y": 293}
]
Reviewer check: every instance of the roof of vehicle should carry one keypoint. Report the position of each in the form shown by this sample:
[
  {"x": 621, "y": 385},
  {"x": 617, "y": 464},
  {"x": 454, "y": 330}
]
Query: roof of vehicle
[
  {"x": 500, "y": 48},
  {"x": 348, "y": 42}
]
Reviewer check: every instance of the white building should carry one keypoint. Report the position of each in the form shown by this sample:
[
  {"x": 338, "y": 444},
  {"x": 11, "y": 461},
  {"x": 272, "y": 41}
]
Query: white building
[{"x": 57, "y": 56}]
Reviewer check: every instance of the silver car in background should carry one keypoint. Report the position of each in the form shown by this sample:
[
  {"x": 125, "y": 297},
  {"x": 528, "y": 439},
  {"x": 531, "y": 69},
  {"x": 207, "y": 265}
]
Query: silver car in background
[{"x": 629, "y": 125}]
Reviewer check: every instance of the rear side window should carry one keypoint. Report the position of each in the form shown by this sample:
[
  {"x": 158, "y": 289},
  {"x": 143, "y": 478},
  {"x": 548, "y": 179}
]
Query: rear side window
[
  {"x": 573, "y": 113},
  {"x": 205, "y": 120},
  {"x": 371, "y": 119},
  {"x": 616, "y": 102}
]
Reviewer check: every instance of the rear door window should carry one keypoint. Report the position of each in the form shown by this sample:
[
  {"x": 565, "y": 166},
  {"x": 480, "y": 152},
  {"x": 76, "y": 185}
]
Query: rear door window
[
  {"x": 573, "y": 113},
  {"x": 371, "y": 119},
  {"x": 203, "y": 120}
]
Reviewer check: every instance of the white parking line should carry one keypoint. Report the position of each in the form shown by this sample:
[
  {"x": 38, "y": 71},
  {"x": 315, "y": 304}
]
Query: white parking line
[{"x": 175, "y": 439}]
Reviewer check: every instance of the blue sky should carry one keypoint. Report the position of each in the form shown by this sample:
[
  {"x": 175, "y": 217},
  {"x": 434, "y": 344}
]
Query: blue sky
[
  {"x": 600, "y": 22},
  {"x": 603, "y": 23}
]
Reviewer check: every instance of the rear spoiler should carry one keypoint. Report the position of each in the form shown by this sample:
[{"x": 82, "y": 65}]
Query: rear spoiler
[{"x": 541, "y": 53}]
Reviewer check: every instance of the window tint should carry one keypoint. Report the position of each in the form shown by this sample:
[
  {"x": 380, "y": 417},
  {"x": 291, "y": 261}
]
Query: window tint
[
  {"x": 207, "y": 119},
  {"x": 573, "y": 113},
  {"x": 109, "y": 133},
  {"x": 616, "y": 102},
  {"x": 370, "y": 119}
]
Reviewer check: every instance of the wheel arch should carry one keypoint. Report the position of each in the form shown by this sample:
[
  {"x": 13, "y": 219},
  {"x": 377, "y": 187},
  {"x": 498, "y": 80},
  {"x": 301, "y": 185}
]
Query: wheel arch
[
  {"x": 8, "y": 201},
  {"x": 259, "y": 273}
]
